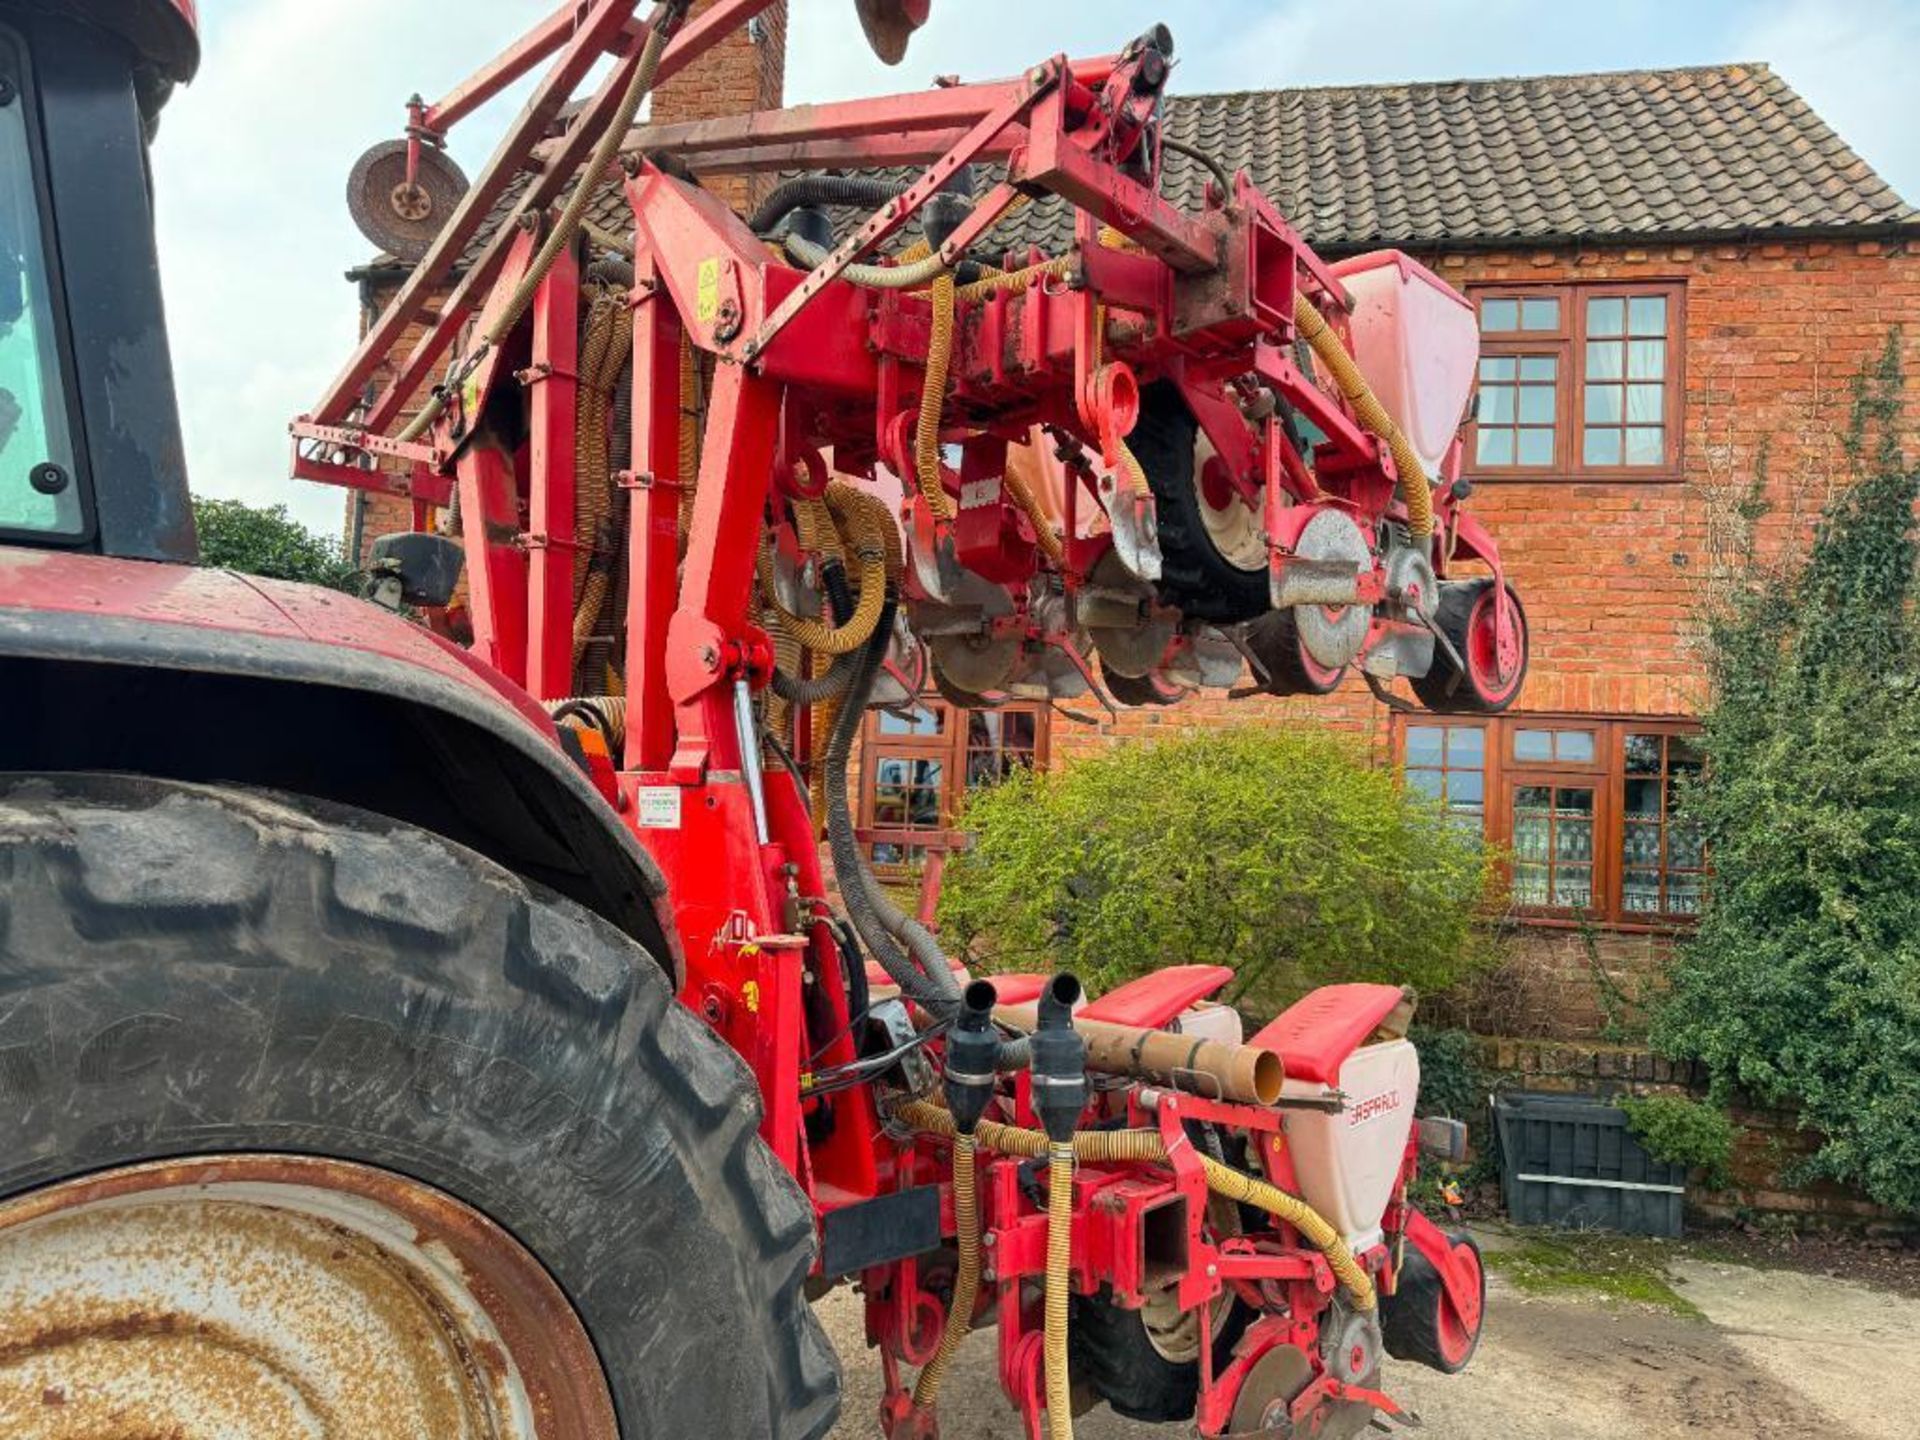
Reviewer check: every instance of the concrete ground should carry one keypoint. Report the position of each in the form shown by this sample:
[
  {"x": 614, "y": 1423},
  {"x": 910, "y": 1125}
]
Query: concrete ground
[{"x": 1770, "y": 1355}]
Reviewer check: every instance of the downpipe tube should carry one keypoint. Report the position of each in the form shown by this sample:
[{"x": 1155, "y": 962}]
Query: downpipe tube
[
  {"x": 1058, "y": 1069},
  {"x": 972, "y": 1051}
]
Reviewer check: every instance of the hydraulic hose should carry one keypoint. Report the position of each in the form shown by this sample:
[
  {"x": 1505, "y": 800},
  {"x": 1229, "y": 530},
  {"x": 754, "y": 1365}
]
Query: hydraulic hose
[
  {"x": 830, "y": 684},
  {"x": 791, "y": 195},
  {"x": 606, "y": 713},
  {"x": 1415, "y": 485},
  {"x": 935, "y": 993},
  {"x": 566, "y": 227},
  {"x": 1146, "y": 1147}
]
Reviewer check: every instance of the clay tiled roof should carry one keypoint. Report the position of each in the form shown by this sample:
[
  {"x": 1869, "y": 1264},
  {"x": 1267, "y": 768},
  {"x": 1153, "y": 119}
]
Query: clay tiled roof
[
  {"x": 1725, "y": 150},
  {"x": 1716, "y": 151},
  {"x": 1720, "y": 150}
]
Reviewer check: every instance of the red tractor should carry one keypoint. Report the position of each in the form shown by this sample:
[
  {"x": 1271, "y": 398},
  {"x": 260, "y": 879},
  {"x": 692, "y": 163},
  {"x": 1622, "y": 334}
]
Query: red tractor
[{"x": 444, "y": 1025}]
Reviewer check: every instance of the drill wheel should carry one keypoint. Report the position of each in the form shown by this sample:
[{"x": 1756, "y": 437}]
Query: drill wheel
[{"x": 399, "y": 216}]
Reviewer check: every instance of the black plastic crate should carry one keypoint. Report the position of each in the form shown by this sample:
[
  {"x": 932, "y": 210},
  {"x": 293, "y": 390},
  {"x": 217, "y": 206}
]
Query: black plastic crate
[{"x": 1571, "y": 1161}]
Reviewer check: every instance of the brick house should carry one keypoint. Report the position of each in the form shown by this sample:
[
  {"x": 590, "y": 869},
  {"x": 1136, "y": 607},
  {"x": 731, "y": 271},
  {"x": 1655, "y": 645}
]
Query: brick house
[{"x": 1676, "y": 273}]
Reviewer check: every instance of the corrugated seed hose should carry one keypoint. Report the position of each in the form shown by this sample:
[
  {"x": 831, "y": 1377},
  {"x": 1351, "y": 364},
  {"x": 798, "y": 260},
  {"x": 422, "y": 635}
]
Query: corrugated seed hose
[
  {"x": 1146, "y": 1147},
  {"x": 864, "y": 527},
  {"x": 1415, "y": 486},
  {"x": 933, "y": 401},
  {"x": 966, "y": 1280},
  {"x": 565, "y": 228},
  {"x": 1059, "y": 1289},
  {"x": 609, "y": 342}
]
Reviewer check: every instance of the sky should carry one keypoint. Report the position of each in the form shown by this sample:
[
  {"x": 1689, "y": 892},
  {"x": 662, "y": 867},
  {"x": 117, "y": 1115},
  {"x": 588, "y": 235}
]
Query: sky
[{"x": 252, "y": 159}]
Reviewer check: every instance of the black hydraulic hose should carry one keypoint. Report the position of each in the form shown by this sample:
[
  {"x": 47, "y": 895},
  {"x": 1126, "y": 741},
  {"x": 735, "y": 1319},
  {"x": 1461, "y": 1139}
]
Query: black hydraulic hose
[
  {"x": 862, "y": 190},
  {"x": 801, "y": 690},
  {"x": 906, "y": 949},
  {"x": 857, "y": 886},
  {"x": 1194, "y": 152}
]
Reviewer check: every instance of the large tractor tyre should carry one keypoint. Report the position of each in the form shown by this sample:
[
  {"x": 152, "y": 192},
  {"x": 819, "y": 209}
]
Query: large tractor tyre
[
  {"x": 1197, "y": 577},
  {"x": 442, "y": 1155},
  {"x": 1418, "y": 1322},
  {"x": 1465, "y": 616},
  {"x": 1136, "y": 1360}
]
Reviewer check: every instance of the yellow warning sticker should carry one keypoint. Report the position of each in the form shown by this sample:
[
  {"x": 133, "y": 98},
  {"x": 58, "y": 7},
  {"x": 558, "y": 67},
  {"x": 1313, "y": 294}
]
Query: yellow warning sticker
[{"x": 707, "y": 299}]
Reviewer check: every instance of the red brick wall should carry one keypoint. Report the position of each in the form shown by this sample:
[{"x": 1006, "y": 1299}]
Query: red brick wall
[{"x": 1612, "y": 575}]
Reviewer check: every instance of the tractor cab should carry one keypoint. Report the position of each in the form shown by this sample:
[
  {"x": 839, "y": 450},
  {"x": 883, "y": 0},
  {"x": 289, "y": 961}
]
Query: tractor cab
[{"x": 90, "y": 451}]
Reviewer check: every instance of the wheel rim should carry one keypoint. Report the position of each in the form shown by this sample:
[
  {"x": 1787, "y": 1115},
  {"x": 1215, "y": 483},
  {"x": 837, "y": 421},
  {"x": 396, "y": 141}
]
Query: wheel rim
[
  {"x": 1495, "y": 676},
  {"x": 276, "y": 1295},
  {"x": 1237, "y": 529}
]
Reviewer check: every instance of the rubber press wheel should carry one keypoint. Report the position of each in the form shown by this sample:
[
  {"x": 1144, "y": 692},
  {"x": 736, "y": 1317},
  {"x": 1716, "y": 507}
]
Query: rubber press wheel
[
  {"x": 317, "y": 1124},
  {"x": 1145, "y": 1363},
  {"x": 1491, "y": 682},
  {"x": 1209, "y": 567}
]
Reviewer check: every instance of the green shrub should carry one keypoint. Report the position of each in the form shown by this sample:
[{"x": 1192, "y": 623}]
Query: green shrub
[
  {"x": 1682, "y": 1131},
  {"x": 1452, "y": 1083},
  {"x": 1281, "y": 852},
  {"x": 1802, "y": 983},
  {"x": 266, "y": 541}
]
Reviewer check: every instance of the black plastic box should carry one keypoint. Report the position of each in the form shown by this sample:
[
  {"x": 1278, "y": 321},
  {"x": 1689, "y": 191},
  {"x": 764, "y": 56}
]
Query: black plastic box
[{"x": 1571, "y": 1161}]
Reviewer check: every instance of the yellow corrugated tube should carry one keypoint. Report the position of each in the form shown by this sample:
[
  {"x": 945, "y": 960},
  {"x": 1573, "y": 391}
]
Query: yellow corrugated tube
[
  {"x": 863, "y": 530},
  {"x": 1414, "y": 484},
  {"x": 1059, "y": 1289},
  {"x": 1147, "y": 1148},
  {"x": 596, "y": 561},
  {"x": 689, "y": 430},
  {"x": 966, "y": 1280},
  {"x": 933, "y": 401}
]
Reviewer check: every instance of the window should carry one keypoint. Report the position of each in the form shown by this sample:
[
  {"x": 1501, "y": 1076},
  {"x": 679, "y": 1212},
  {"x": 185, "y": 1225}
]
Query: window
[
  {"x": 1662, "y": 861},
  {"x": 38, "y": 488},
  {"x": 1578, "y": 380},
  {"x": 1449, "y": 763},
  {"x": 1583, "y": 809},
  {"x": 908, "y": 799}
]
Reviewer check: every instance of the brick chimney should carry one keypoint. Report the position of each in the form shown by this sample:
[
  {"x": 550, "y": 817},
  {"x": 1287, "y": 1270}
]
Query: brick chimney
[{"x": 743, "y": 73}]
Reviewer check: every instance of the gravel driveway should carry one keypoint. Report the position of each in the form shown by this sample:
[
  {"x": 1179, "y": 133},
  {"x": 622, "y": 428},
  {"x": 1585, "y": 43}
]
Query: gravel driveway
[{"x": 1778, "y": 1356}]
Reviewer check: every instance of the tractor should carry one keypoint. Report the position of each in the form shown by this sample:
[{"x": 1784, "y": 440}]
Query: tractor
[{"x": 469, "y": 1011}]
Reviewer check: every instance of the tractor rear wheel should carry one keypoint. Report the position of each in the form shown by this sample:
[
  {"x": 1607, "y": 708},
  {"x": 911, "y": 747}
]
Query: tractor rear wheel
[{"x": 316, "y": 1123}]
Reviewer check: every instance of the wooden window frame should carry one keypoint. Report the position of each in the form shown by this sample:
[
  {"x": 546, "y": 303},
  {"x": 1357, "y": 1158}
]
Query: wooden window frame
[
  {"x": 1568, "y": 344},
  {"x": 950, "y": 747},
  {"x": 1606, "y": 773}
]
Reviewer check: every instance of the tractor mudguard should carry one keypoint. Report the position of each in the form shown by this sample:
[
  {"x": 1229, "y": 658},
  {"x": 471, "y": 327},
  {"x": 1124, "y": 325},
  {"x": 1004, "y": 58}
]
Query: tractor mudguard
[{"x": 211, "y": 676}]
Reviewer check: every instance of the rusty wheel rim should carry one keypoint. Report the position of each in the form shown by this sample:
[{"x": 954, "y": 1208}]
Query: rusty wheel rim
[{"x": 278, "y": 1295}]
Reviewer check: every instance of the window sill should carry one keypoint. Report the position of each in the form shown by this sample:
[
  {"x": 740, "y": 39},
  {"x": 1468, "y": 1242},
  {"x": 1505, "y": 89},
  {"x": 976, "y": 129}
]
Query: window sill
[
  {"x": 1547, "y": 920},
  {"x": 1559, "y": 477}
]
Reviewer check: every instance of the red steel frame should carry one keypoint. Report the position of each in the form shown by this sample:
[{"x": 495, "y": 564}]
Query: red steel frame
[{"x": 1211, "y": 297}]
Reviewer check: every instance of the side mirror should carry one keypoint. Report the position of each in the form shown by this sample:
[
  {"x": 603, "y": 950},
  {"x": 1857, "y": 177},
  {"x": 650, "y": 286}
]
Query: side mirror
[{"x": 412, "y": 567}]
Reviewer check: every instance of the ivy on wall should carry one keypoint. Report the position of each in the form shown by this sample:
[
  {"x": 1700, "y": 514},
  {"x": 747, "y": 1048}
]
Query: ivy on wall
[{"x": 1802, "y": 983}]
